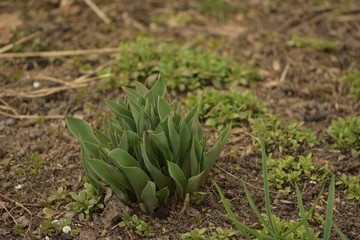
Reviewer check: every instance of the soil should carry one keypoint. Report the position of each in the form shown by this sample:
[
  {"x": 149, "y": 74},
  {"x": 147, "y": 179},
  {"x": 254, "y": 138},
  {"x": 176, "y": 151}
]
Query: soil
[{"x": 297, "y": 84}]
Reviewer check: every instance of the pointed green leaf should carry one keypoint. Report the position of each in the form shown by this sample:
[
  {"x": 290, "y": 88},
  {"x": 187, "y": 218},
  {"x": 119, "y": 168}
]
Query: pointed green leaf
[
  {"x": 104, "y": 140},
  {"x": 210, "y": 156},
  {"x": 193, "y": 113},
  {"x": 329, "y": 209},
  {"x": 194, "y": 182},
  {"x": 160, "y": 179},
  {"x": 179, "y": 178},
  {"x": 131, "y": 168},
  {"x": 163, "y": 108},
  {"x": 110, "y": 174},
  {"x": 149, "y": 198},
  {"x": 159, "y": 87},
  {"x": 163, "y": 195},
  {"x": 81, "y": 129},
  {"x": 174, "y": 139},
  {"x": 141, "y": 88},
  {"x": 118, "y": 109}
]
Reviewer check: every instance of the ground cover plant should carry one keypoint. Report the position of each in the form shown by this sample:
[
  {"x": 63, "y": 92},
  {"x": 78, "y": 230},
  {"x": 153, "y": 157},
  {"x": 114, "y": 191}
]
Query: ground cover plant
[
  {"x": 346, "y": 134},
  {"x": 148, "y": 150},
  {"x": 283, "y": 135},
  {"x": 319, "y": 45},
  {"x": 352, "y": 79},
  {"x": 273, "y": 227},
  {"x": 198, "y": 44},
  {"x": 183, "y": 67},
  {"x": 219, "y": 108}
]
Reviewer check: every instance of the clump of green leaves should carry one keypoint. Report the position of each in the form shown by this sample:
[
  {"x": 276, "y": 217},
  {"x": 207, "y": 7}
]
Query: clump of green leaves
[
  {"x": 195, "y": 234},
  {"x": 35, "y": 161},
  {"x": 346, "y": 133},
  {"x": 220, "y": 108},
  {"x": 217, "y": 9},
  {"x": 85, "y": 202},
  {"x": 317, "y": 44},
  {"x": 299, "y": 233},
  {"x": 137, "y": 225},
  {"x": 82, "y": 204},
  {"x": 18, "y": 229},
  {"x": 47, "y": 228},
  {"x": 273, "y": 227},
  {"x": 285, "y": 135},
  {"x": 183, "y": 67},
  {"x": 353, "y": 186},
  {"x": 224, "y": 233},
  {"x": 148, "y": 148},
  {"x": 288, "y": 170},
  {"x": 352, "y": 79}
]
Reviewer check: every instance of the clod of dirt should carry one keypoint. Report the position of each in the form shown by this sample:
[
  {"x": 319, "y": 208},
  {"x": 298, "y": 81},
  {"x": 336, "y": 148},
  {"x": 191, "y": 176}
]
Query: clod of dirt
[
  {"x": 88, "y": 235},
  {"x": 113, "y": 212},
  {"x": 69, "y": 7}
]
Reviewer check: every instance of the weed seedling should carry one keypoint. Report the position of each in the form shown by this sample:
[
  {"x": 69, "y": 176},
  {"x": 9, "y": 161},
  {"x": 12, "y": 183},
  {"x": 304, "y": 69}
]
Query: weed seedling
[
  {"x": 352, "y": 79},
  {"x": 286, "y": 135},
  {"x": 346, "y": 133},
  {"x": 319, "y": 45},
  {"x": 353, "y": 186},
  {"x": 137, "y": 225}
]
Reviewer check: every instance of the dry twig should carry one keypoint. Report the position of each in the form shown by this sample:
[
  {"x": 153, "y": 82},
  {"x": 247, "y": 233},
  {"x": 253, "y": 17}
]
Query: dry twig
[
  {"x": 98, "y": 11},
  {"x": 20, "y": 41},
  {"x": 60, "y": 53}
]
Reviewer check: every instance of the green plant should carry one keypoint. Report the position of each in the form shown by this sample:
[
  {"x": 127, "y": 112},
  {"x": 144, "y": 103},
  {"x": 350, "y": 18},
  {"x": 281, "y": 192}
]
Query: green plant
[
  {"x": 148, "y": 150},
  {"x": 135, "y": 224},
  {"x": 184, "y": 68},
  {"x": 195, "y": 234},
  {"x": 35, "y": 161},
  {"x": 225, "y": 234},
  {"x": 217, "y": 9},
  {"x": 287, "y": 170},
  {"x": 353, "y": 186},
  {"x": 319, "y": 45},
  {"x": 197, "y": 197},
  {"x": 285, "y": 135},
  {"x": 346, "y": 134},
  {"x": 47, "y": 228},
  {"x": 220, "y": 108},
  {"x": 86, "y": 201},
  {"x": 273, "y": 228},
  {"x": 18, "y": 229},
  {"x": 352, "y": 78},
  {"x": 283, "y": 226}
]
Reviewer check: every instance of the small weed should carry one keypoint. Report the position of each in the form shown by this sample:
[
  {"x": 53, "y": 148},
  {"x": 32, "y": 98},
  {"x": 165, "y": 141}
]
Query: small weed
[
  {"x": 352, "y": 78},
  {"x": 225, "y": 234},
  {"x": 195, "y": 234},
  {"x": 287, "y": 170},
  {"x": 353, "y": 186},
  {"x": 137, "y": 225},
  {"x": 173, "y": 19},
  {"x": 220, "y": 108},
  {"x": 285, "y": 135},
  {"x": 35, "y": 162},
  {"x": 86, "y": 201},
  {"x": 217, "y": 9},
  {"x": 284, "y": 226},
  {"x": 18, "y": 229},
  {"x": 346, "y": 134},
  {"x": 184, "y": 68},
  {"x": 83, "y": 203},
  {"x": 47, "y": 228},
  {"x": 319, "y": 45},
  {"x": 197, "y": 197}
]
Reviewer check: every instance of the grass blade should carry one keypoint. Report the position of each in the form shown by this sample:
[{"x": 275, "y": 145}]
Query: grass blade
[
  {"x": 266, "y": 183},
  {"x": 337, "y": 229},
  {"x": 302, "y": 212},
  {"x": 256, "y": 211},
  {"x": 329, "y": 210}
]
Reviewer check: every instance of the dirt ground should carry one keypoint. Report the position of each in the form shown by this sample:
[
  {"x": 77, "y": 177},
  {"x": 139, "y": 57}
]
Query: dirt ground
[{"x": 295, "y": 83}]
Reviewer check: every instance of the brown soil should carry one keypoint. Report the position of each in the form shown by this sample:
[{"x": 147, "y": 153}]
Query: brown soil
[{"x": 295, "y": 82}]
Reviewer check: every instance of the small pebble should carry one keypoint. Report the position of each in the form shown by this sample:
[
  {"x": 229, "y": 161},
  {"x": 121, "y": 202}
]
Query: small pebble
[
  {"x": 36, "y": 85},
  {"x": 10, "y": 122},
  {"x": 66, "y": 229},
  {"x": 18, "y": 187}
]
